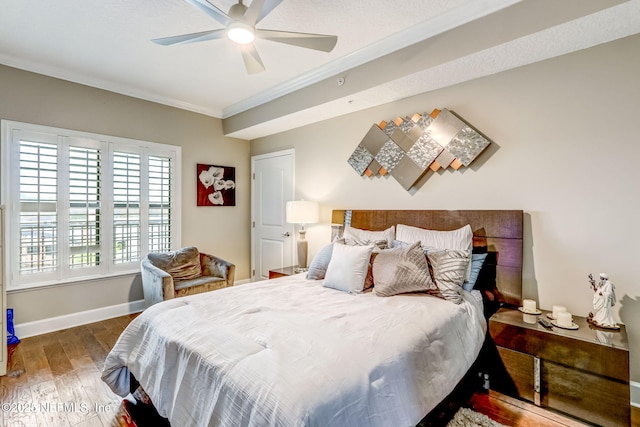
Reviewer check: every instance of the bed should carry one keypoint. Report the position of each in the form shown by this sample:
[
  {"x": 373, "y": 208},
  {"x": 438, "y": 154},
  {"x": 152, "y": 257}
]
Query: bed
[{"x": 292, "y": 352}]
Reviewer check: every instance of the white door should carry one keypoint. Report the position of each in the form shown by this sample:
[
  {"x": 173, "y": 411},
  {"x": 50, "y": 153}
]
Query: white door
[{"x": 272, "y": 238}]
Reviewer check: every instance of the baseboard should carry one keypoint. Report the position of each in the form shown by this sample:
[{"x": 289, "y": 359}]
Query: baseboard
[
  {"x": 44, "y": 326},
  {"x": 635, "y": 394},
  {"x": 241, "y": 282}
]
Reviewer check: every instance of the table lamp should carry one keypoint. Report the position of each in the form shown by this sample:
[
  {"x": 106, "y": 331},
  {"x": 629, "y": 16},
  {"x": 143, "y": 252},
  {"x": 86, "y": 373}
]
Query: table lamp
[{"x": 302, "y": 212}]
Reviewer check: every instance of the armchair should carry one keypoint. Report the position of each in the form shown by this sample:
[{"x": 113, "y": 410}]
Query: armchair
[{"x": 187, "y": 271}]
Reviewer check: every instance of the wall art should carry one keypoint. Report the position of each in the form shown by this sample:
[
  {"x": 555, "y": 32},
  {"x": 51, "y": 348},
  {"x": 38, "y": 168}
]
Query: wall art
[
  {"x": 406, "y": 148},
  {"x": 216, "y": 185}
]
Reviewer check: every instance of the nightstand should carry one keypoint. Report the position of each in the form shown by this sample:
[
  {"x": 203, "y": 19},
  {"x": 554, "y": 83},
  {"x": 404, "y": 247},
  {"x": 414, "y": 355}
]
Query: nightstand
[
  {"x": 583, "y": 372},
  {"x": 281, "y": 272}
]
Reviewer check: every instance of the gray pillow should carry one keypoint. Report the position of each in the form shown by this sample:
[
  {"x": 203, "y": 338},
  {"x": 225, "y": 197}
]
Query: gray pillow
[
  {"x": 401, "y": 270},
  {"x": 320, "y": 262},
  {"x": 449, "y": 270}
]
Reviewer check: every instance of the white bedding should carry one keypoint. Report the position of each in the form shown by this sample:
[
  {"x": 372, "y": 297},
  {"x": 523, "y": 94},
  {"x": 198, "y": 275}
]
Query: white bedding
[{"x": 289, "y": 352}]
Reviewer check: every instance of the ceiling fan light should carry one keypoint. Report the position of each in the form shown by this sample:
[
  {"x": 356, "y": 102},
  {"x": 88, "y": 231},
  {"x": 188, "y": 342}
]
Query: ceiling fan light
[{"x": 240, "y": 33}]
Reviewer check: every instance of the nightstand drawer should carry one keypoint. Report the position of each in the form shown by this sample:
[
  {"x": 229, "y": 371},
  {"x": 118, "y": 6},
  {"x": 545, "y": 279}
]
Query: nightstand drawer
[
  {"x": 574, "y": 392},
  {"x": 564, "y": 347},
  {"x": 584, "y": 395},
  {"x": 517, "y": 379}
]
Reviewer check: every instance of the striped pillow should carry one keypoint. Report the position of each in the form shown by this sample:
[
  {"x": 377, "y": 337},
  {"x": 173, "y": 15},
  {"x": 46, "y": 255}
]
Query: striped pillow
[
  {"x": 449, "y": 271},
  {"x": 401, "y": 270},
  {"x": 382, "y": 239}
]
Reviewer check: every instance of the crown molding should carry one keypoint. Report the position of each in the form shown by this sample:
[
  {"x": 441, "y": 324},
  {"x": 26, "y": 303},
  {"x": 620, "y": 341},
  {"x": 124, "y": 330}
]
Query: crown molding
[
  {"x": 110, "y": 86},
  {"x": 417, "y": 33}
]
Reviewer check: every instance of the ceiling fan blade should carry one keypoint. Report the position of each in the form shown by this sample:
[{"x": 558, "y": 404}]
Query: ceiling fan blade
[
  {"x": 310, "y": 41},
  {"x": 211, "y": 10},
  {"x": 258, "y": 9},
  {"x": 191, "y": 38},
  {"x": 254, "y": 10},
  {"x": 252, "y": 60}
]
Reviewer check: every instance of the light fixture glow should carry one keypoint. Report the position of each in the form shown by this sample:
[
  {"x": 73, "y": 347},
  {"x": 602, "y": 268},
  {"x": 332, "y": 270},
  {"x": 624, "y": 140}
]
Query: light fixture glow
[{"x": 240, "y": 33}]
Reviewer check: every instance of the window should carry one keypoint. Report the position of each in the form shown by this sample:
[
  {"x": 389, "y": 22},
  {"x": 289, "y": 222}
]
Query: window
[{"x": 82, "y": 205}]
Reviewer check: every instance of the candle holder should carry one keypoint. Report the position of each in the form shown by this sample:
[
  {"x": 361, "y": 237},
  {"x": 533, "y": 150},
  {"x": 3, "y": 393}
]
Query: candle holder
[{"x": 529, "y": 307}]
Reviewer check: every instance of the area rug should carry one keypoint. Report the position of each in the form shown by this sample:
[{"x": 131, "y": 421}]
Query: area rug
[{"x": 466, "y": 417}]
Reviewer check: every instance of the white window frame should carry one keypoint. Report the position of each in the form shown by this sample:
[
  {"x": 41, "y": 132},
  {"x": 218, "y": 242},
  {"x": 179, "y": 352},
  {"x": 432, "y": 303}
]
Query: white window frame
[{"x": 12, "y": 132}]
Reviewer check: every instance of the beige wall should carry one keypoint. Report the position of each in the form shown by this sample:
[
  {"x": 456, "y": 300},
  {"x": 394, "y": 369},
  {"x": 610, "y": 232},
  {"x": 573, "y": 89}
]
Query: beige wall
[
  {"x": 566, "y": 151},
  {"x": 224, "y": 231}
]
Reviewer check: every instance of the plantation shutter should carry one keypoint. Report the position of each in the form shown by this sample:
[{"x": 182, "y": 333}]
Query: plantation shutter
[
  {"x": 126, "y": 214},
  {"x": 160, "y": 172},
  {"x": 38, "y": 217}
]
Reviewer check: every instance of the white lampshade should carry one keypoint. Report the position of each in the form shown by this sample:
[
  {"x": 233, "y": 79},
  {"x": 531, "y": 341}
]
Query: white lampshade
[{"x": 302, "y": 212}]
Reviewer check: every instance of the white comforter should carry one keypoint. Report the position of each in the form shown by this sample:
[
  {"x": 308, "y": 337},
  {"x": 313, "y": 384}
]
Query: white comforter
[{"x": 289, "y": 352}]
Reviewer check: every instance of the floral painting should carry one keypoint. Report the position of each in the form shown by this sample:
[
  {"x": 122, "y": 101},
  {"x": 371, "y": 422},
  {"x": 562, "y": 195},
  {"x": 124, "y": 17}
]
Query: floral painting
[{"x": 216, "y": 185}]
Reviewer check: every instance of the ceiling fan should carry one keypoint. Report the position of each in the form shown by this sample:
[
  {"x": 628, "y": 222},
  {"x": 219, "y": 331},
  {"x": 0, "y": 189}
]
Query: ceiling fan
[{"x": 240, "y": 27}]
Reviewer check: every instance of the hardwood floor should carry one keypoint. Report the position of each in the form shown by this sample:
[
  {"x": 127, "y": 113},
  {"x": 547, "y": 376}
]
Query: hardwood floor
[
  {"x": 513, "y": 412},
  {"x": 54, "y": 380}
]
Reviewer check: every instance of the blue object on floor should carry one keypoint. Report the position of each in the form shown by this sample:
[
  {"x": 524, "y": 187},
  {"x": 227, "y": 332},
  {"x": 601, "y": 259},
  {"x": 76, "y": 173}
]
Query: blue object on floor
[{"x": 11, "y": 332}]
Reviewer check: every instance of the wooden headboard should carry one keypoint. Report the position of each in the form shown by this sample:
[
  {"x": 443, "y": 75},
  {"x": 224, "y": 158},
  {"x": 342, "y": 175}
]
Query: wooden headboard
[{"x": 497, "y": 232}]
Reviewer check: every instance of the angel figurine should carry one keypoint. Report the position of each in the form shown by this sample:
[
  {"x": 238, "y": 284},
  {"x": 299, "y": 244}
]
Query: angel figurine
[{"x": 604, "y": 297}]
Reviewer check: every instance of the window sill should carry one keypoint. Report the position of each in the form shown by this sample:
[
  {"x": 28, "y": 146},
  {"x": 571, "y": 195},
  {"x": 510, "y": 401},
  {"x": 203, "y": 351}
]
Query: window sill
[{"x": 68, "y": 282}]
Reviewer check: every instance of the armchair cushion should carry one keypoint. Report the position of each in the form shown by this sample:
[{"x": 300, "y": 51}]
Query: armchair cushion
[
  {"x": 182, "y": 264},
  {"x": 198, "y": 285}
]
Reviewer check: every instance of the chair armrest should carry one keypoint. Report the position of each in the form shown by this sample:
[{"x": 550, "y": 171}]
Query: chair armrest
[
  {"x": 217, "y": 267},
  {"x": 157, "y": 284}
]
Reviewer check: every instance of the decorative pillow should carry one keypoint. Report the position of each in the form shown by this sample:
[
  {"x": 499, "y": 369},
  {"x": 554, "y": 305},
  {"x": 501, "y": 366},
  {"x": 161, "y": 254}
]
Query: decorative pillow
[
  {"x": 348, "y": 267},
  {"x": 368, "y": 281},
  {"x": 320, "y": 262},
  {"x": 477, "y": 260},
  {"x": 460, "y": 239},
  {"x": 401, "y": 270},
  {"x": 356, "y": 236},
  {"x": 181, "y": 264},
  {"x": 449, "y": 267}
]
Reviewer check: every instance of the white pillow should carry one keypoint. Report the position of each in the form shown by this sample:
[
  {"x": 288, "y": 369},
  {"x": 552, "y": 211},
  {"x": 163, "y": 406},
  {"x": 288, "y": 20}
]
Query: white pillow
[
  {"x": 460, "y": 239},
  {"x": 357, "y": 236},
  {"x": 348, "y": 268}
]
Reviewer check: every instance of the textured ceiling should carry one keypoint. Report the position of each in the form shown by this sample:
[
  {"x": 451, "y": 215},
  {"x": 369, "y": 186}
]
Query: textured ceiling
[{"x": 106, "y": 44}]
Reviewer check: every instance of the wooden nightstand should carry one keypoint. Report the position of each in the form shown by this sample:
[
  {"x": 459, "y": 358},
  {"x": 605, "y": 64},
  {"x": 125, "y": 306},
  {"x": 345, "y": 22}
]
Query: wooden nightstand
[
  {"x": 583, "y": 372},
  {"x": 281, "y": 272}
]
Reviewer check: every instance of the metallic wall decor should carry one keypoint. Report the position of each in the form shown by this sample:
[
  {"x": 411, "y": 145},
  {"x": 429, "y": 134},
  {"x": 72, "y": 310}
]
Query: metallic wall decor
[{"x": 407, "y": 147}]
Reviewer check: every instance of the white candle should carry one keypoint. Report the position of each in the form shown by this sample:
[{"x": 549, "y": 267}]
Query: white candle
[
  {"x": 565, "y": 319},
  {"x": 530, "y": 318},
  {"x": 557, "y": 309},
  {"x": 529, "y": 305}
]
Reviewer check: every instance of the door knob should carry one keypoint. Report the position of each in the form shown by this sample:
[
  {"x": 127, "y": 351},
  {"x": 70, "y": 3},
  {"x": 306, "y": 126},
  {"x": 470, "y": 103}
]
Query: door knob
[{"x": 287, "y": 234}]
